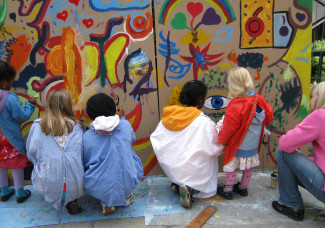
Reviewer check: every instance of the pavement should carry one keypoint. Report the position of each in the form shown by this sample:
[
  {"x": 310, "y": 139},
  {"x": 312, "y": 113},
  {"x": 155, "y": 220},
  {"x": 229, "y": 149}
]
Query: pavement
[{"x": 252, "y": 211}]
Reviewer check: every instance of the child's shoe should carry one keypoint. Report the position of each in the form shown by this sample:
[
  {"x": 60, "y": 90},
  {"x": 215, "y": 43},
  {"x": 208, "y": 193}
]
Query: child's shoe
[
  {"x": 73, "y": 207},
  {"x": 241, "y": 191},
  {"x": 22, "y": 195},
  {"x": 186, "y": 196},
  {"x": 6, "y": 197},
  {"x": 108, "y": 210},
  {"x": 174, "y": 187},
  {"x": 128, "y": 199},
  {"x": 221, "y": 192}
]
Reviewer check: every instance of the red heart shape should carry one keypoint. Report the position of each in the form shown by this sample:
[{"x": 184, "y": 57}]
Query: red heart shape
[
  {"x": 194, "y": 8},
  {"x": 88, "y": 22},
  {"x": 62, "y": 16},
  {"x": 76, "y": 2}
]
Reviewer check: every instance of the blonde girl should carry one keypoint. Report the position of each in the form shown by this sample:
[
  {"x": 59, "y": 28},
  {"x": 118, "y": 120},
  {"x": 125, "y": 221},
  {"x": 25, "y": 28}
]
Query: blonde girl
[
  {"x": 54, "y": 145},
  {"x": 242, "y": 131}
]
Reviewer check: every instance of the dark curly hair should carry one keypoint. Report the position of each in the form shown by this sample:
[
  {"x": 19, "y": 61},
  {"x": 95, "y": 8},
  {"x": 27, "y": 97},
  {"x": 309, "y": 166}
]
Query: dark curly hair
[
  {"x": 7, "y": 72},
  {"x": 191, "y": 93}
]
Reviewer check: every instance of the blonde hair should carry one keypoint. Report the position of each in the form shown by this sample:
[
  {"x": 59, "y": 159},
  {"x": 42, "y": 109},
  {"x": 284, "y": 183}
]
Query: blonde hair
[
  {"x": 319, "y": 90},
  {"x": 58, "y": 106},
  {"x": 239, "y": 82}
]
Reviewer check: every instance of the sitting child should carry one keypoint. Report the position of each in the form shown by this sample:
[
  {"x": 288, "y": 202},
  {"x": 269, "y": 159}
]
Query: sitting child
[
  {"x": 112, "y": 169},
  {"x": 54, "y": 145},
  {"x": 186, "y": 145}
]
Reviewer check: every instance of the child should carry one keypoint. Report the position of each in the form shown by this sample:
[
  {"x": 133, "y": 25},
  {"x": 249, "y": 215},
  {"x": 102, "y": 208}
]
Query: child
[
  {"x": 12, "y": 143},
  {"x": 54, "y": 145},
  {"x": 186, "y": 145},
  {"x": 112, "y": 169},
  {"x": 242, "y": 131}
]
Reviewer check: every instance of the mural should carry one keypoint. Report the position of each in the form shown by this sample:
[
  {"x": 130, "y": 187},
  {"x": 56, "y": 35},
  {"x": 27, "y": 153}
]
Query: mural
[
  {"x": 142, "y": 52},
  {"x": 86, "y": 47},
  {"x": 205, "y": 39}
]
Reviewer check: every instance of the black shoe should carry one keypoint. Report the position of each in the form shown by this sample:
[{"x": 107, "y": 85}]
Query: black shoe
[
  {"x": 297, "y": 215},
  {"x": 73, "y": 207},
  {"x": 226, "y": 195},
  {"x": 174, "y": 187},
  {"x": 6, "y": 197},
  {"x": 22, "y": 199},
  {"x": 243, "y": 192}
]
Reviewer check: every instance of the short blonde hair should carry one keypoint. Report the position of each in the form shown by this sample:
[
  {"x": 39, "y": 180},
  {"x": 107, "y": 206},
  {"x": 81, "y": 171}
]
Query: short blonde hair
[
  {"x": 319, "y": 90},
  {"x": 239, "y": 82},
  {"x": 58, "y": 106}
]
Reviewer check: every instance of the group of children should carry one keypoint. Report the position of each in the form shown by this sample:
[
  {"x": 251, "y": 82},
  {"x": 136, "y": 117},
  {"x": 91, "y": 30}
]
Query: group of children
[{"x": 69, "y": 161}]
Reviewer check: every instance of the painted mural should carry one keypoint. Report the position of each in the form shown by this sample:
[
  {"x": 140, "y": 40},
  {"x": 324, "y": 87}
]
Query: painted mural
[
  {"x": 271, "y": 38},
  {"x": 141, "y": 52},
  {"x": 86, "y": 47}
]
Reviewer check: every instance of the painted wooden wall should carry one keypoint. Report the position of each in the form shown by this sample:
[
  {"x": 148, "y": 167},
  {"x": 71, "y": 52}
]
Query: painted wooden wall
[{"x": 91, "y": 46}]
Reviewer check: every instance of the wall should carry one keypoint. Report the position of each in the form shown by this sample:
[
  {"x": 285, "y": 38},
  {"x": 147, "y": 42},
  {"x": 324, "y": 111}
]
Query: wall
[{"x": 110, "y": 46}]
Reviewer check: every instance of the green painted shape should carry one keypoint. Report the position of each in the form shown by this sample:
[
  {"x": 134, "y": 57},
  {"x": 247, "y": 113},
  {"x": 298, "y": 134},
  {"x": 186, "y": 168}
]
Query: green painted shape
[
  {"x": 3, "y": 12},
  {"x": 179, "y": 21},
  {"x": 306, "y": 3}
]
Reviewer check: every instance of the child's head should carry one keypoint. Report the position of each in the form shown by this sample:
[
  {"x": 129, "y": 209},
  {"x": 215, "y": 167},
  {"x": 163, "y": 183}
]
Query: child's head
[
  {"x": 318, "y": 96},
  {"x": 100, "y": 105},
  {"x": 193, "y": 94},
  {"x": 7, "y": 75},
  {"x": 58, "y": 108},
  {"x": 239, "y": 82}
]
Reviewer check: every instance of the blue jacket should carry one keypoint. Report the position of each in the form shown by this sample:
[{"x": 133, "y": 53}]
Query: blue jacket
[
  {"x": 52, "y": 165},
  {"x": 12, "y": 115},
  {"x": 112, "y": 169}
]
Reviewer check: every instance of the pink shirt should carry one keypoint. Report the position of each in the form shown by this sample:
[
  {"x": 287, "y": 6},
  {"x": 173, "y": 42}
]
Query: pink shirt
[{"x": 311, "y": 129}]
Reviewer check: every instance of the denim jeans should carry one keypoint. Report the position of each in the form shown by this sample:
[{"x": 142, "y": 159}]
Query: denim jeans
[{"x": 297, "y": 169}]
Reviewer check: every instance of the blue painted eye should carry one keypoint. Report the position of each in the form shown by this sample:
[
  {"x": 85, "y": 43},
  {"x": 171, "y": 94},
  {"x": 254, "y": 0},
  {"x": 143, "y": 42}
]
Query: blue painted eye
[{"x": 216, "y": 102}]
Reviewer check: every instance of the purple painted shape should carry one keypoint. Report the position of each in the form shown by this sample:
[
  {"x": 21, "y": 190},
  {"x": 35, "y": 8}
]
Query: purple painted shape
[
  {"x": 210, "y": 17},
  {"x": 300, "y": 17}
]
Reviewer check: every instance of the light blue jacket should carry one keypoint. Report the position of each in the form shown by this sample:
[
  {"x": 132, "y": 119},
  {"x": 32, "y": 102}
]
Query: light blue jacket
[
  {"x": 52, "y": 165},
  {"x": 113, "y": 170},
  {"x": 12, "y": 115}
]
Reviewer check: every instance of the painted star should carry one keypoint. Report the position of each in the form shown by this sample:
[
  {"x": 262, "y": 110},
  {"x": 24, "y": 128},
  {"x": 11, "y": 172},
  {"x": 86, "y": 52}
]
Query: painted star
[{"x": 200, "y": 59}]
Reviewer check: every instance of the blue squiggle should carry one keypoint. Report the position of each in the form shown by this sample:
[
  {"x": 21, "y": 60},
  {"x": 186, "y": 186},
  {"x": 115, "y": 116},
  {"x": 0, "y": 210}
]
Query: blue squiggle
[{"x": 115, "y": 5}]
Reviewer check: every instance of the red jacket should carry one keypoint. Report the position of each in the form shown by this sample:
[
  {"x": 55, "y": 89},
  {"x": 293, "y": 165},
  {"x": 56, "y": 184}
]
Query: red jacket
[{"x": 238, "y": 117}]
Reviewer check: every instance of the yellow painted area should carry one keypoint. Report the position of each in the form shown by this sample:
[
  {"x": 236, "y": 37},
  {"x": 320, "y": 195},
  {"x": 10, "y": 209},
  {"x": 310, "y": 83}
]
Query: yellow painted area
[
  {"x": 91, "y": 55},
  {"x": 142, "y": 146},
  {"x": 173, "y": 98},
  {"x": 145, "y": 164},
  {"x": 197, "y": 38},
  {"x": 265, "y": 39},
  {"x": 111, "y": 56},
  {"x": 224, "y": 65},
  {"x": 30, "y": 90},
  {"x": 297, "y": 50},
  {"x": 31, "y": 17}
]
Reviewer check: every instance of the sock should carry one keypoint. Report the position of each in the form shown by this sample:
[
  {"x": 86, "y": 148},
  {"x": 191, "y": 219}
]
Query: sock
[
  {"x": 230, "y": 181},
  {"x": 247, "y": 174},
  {"x": 5, "y": 191},
  {"x": 21, "y": 193}
]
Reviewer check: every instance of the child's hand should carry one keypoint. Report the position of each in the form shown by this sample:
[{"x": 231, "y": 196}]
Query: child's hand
[
  {"x": 120, "y": 111},
  {"x": 32, "y": 100}
]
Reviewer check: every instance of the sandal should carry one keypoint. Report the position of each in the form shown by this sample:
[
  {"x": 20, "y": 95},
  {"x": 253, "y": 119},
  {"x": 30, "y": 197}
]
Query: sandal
[
  {"x": 22, "y": 199},
  {"x": 6, "y": 197},
  {"x": 108, "y": 210}
]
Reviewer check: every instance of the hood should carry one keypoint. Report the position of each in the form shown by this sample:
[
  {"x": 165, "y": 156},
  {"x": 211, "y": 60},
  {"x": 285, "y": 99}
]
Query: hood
[
  {"x": 3, "y": 98},
  {"x": 176, "y": 117},
  {"x": 105, "y": 124}
]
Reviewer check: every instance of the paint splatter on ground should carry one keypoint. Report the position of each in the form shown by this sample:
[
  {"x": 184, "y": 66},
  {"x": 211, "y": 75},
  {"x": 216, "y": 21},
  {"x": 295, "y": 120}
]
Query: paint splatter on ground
[{"x": 153, "y": 196}]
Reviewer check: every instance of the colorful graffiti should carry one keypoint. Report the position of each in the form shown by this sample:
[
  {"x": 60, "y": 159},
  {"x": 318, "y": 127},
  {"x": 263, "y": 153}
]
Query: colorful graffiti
[{"x": 114, "y": 47}]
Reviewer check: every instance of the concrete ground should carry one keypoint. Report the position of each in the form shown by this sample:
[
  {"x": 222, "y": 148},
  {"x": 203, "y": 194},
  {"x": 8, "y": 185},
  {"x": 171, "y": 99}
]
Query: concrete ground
[{"x": 252, "y": 211}]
